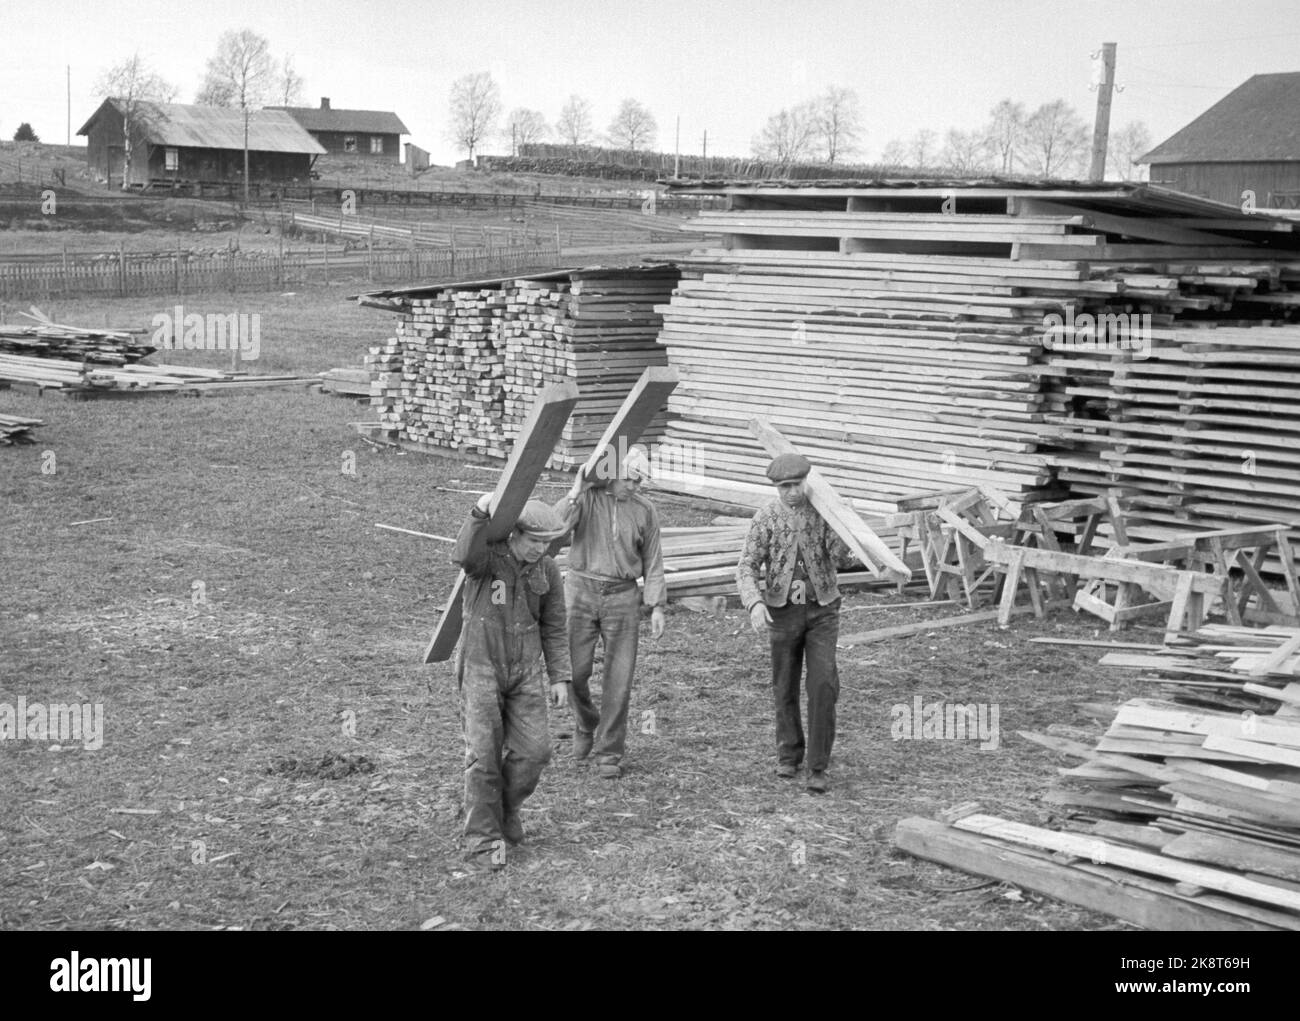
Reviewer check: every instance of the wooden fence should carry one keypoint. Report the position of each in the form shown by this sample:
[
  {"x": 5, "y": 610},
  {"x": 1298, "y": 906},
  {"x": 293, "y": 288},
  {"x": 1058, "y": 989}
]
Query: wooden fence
[{"x": 131, "y": 274}]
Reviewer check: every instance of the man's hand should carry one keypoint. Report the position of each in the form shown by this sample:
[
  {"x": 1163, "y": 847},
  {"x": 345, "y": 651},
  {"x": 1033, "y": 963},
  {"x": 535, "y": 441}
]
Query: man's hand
[
  {"x": 657, "y": 622},
  {"x": 759, "y": 619},
  {"x": 559, "y": 695},
  {"x": 484, "y": 502}
]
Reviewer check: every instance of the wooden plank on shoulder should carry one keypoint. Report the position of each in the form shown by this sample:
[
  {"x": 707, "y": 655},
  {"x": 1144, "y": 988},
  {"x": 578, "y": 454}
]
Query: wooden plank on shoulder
[{"x": 538, "y": 435}]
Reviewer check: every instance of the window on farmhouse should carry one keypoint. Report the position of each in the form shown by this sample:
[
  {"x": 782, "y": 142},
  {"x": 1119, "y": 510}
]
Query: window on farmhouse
[
  {"x": 349, "y": 143},
  {"x": 376, "y": 145},
  {"x": 171, "y": 159}
]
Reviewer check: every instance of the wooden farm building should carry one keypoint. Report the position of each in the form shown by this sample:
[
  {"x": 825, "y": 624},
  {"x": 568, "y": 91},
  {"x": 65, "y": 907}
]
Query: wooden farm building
[
  {"x": 1249, "y": 141},
  {"x": 173, "y": 142},
  {"x": 370, "y": 134}
]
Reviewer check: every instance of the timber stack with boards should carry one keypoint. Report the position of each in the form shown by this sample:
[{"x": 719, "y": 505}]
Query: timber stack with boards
[
  {"x": 1054, "y": 340},
  {"x": 468, "y": 358}
]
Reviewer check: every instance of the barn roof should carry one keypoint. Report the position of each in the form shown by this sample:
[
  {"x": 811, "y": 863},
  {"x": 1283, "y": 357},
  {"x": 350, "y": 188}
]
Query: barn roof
[
  {"x": 371, "y": 122},
  {"x": 1259, "y": 120},
  {"x": 217, "y": 127}
]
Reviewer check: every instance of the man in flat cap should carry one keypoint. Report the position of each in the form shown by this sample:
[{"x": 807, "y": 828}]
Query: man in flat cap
[
  {"x": 787, "y": 582},
  {"x": 615, "y": 542},
  {"x": 513, "y": 621}
]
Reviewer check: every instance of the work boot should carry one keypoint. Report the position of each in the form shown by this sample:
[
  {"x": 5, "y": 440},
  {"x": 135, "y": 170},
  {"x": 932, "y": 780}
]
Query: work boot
[
  {"x": 610, "y": 770},
  {"x": 512, "y": 828},
  {"x": 817, "y": 782},
  {"x": 582, "y": 742},
  {"x": 787, "y": 770}
]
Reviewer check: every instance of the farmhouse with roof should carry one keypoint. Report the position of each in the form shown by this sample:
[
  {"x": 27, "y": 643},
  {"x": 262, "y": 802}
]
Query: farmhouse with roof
[
  {"x": 174, "y": 142},
  {"x": 1249, "y": 141},
  {"x": 372, "y": 134}
]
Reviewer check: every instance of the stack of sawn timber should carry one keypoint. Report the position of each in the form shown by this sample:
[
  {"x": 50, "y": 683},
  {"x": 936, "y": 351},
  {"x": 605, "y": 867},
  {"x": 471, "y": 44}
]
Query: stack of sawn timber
[
  {"x": 467, "y": 360},
  {"x": 1190, "y": 803},
  {"x": 54, "y": 340},
  {"x": 898, "y": 334},
  {"x": 16, "y": 429}
]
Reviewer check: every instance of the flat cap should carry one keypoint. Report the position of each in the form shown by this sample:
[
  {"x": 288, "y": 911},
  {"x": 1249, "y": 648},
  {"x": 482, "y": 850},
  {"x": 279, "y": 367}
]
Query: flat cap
[
  {"x": 540, "y": 521},
  {"x": 788, "y": 468}
]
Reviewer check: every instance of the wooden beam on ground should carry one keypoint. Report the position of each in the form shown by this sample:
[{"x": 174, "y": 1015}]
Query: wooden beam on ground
[
  {"x": 537, "y": 438},
  {"x": 1109, "y": 894},
  {"x": 848, "y": 525},
  {"x": 920, "y": 627}
]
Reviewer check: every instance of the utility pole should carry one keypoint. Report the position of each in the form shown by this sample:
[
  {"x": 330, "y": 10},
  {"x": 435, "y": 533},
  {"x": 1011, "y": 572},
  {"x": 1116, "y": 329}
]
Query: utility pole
[
  {"x": 677, "y": 157},
  {"x": 1101, "y": 128},
  {"x": 706, "y": 143},
  {"x": 69, "y": 140}
]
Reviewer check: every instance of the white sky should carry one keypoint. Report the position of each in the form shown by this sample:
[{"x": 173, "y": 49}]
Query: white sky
[{"x": 721, "y": 66}]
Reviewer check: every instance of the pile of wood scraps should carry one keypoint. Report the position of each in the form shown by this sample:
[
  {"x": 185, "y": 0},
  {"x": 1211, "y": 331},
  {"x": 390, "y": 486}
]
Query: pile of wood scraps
[
  {"x": 16, "y": 429},
  {"x": 1188, "y": 805},
  {"x": 346, "y": 382},
  {"x": 89, "y": 379},
  {"x": 54, "y": 340}
]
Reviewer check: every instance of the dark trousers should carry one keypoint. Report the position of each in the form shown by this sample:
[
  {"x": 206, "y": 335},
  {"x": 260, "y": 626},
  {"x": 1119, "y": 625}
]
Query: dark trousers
[
  {"x": 805, "y": 631},
  {"x": 609, "y": 612}
]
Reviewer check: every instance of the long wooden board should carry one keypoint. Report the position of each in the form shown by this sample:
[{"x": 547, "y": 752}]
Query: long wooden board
[{"x": 537, "y": 438}]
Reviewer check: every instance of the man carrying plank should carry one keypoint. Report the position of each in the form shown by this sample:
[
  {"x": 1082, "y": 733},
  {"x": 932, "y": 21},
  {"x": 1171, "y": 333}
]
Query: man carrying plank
[
  {"x": 792, "y": 546},
  {"x": 616, "y": 541},
  {"x": 513, "y": 620}
]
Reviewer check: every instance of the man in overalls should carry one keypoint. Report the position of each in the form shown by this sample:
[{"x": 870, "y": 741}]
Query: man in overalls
[{"x": 514, "y": 619}]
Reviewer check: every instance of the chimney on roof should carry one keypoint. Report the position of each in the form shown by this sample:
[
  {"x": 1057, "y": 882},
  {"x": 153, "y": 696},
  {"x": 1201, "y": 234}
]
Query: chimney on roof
[{"x": 324, "y": 102}]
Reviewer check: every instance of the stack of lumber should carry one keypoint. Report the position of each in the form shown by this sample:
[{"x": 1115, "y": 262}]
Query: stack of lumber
[
  {"x": 1189, "y": 803},
  {"x": 467, "y": 361},
  {"x": 53, "y": 340},
  {"x": 16, "y": 429},
  {"x": 92, "y": 379},
  {"x": 342, "y": 380},
  {"x": 898, "y": 333}
]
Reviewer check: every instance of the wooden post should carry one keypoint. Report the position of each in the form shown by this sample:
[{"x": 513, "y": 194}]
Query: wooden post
[
  {"x": 453, "y": 248},
  {"x": 370, "y": 254},
  {"x": 538, "y": 435},
  {"x": 326, "y": 246},
  {"x": 121, "y": 269},
  {"x": 65, "y": 268}
]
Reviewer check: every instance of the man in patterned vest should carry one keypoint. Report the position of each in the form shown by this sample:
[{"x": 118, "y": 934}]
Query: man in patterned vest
[{"x": 787, "y": 582}]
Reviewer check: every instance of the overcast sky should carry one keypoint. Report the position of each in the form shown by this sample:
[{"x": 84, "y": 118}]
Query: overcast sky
[{"x": 721, "y": 66}]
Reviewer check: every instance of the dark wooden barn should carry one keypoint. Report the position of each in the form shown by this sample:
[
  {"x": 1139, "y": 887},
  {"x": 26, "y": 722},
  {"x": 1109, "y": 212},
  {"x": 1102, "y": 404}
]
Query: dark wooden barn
[
  {"x": 172, "y": 142},
  {"x": 1244, "y": 149},
  {"x": 371, "y": 134}
]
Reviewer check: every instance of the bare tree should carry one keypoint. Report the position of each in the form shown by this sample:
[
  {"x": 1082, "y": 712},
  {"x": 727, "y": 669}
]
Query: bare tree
[
  {"x": 524, "y": 127},
  {"x": 1126, "y": 145},
  {"x": 1005, "y": 134},
  {"x": 894, "y": 154},
  {"x": 1056, "y": 138},
  {"x": 839, "y": 122},
  {"x": 243, "y": 73},
  {"x": 574, "y": 125},
  {"x": 130, "y": 84},
  {"x": 965, "y": 152},
  {"x": 633, "y": 126},
  {"x": 923, "y": 148},
  {"x": 475, "y": 107},
  {"x": 290, "y": 84},
  {"x": 788, "y": 136}
]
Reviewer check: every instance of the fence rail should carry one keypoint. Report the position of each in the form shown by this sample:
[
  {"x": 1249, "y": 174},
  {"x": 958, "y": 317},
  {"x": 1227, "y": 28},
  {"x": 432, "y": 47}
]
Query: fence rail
[{"x": 128, "y": 274}]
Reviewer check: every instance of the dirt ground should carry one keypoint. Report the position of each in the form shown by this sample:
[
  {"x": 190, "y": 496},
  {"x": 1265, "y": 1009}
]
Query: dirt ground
[{"x": 274, "y": 755}]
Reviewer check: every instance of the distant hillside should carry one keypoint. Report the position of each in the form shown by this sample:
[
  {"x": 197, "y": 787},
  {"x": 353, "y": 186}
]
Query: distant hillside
[{"x": 39, "y": 163}]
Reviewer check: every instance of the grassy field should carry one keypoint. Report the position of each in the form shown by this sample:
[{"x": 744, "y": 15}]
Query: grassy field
[{"x": 275, "y": 757}]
